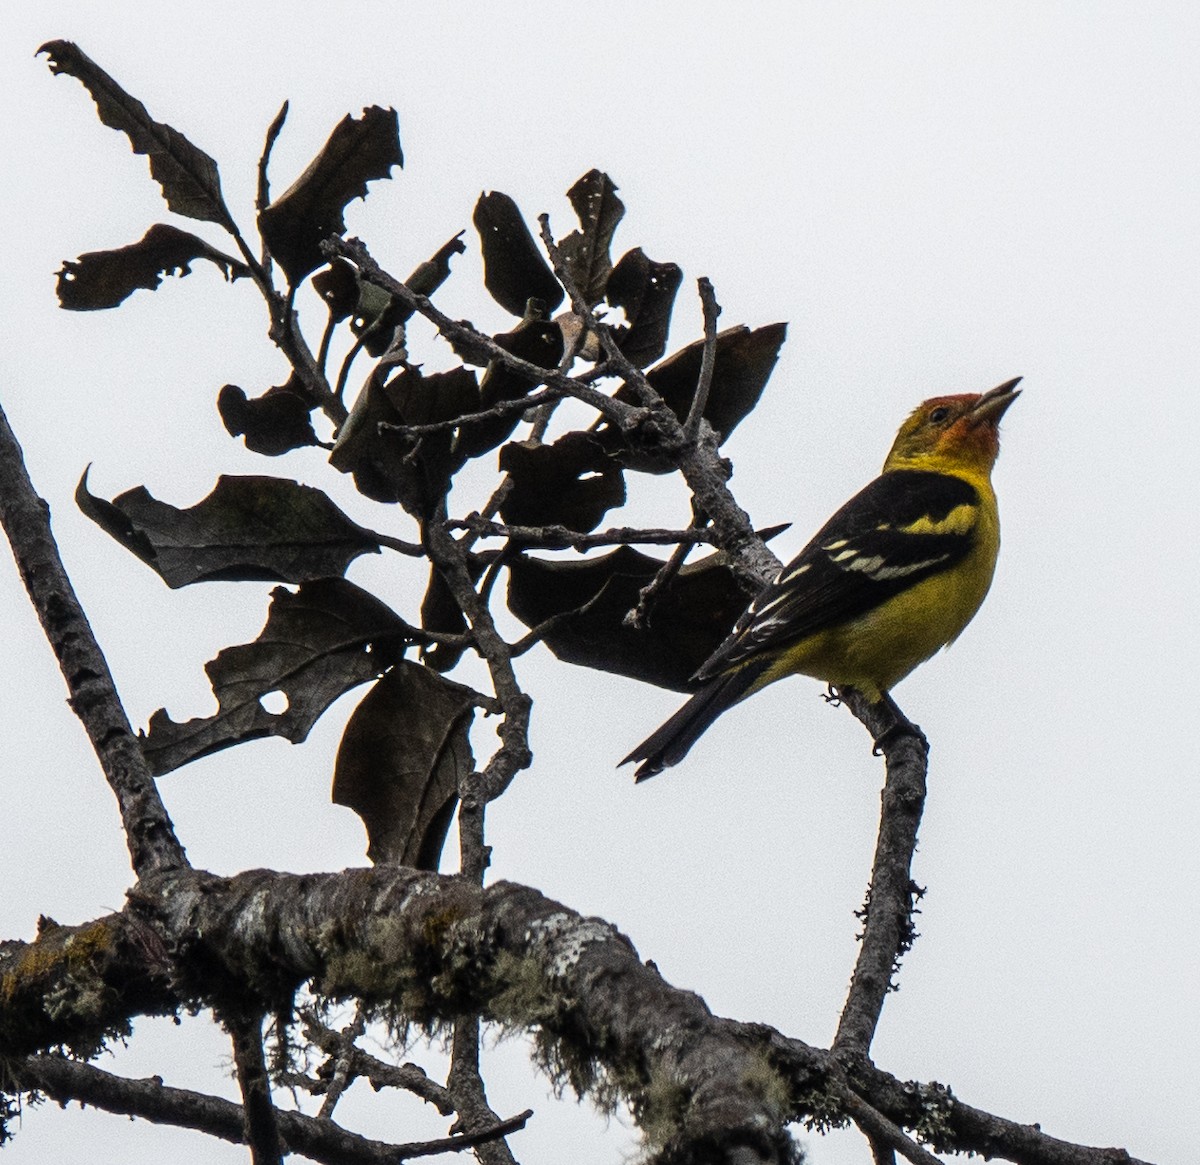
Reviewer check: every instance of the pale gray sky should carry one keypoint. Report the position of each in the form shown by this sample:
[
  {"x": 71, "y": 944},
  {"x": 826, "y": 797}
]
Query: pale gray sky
[{"x": 938, "y": 197}]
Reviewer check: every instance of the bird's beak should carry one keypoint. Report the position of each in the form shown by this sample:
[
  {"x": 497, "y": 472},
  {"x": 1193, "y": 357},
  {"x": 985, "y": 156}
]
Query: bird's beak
[{"x": 992, "y": 405}]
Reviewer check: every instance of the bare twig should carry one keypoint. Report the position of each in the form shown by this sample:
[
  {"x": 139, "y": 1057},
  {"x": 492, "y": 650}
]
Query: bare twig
[
  {"x": 66, "y": 1080},
  {"x": 564, "y": 538},
  {"x": 263, "y": 196},
  {"x": 450, "y": 558},
  {"x": 708, "y": 359},
  {"x": 326, "y": 338},
  {"x": 648, "y": 595},
  {"x": 409, "y": 1077},
  {"x": 343, "y": 1063},
  {"x": 538, "y": 633},
  {"x": 465, "y": 1084},
  {"x": 480, "y": 1139},
  {"x": 636, "y": 615},
  {"x": 339, "y": 390},
  {"x": 261, "y": 1129},
  {"x": 619, "y": 413},
  {"x": 505, "y": 408},
  {"x": 411, "y": 549},
  {"x": 886, "y": 1138},
  {"x": 149, "y": 833},
  {"x": 887, "y": 914}
]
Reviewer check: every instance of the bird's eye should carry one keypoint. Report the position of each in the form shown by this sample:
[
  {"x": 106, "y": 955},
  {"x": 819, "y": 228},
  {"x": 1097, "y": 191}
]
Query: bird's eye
[{"x": 939, "y": 415}]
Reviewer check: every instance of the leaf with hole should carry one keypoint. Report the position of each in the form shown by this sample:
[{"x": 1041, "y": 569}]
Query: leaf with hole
[
  {"x": 266, "y": 528},
  {"x": 646, "y": 291},
  {"x": 514, "y": 271},
  {"x": 103, "y": 279},
  {"x": 318, "y": 643},
  {"x": 572, "y": 483},
  {"x": 402, "y": 758},
  {"x": 586, "y": 252}
]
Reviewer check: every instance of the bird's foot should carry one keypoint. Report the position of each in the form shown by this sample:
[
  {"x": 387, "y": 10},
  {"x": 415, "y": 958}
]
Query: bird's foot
[{"x": 831, "y": 696}]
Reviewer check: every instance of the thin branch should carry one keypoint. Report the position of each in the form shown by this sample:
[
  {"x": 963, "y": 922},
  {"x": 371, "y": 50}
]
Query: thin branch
[
  {"x": 886, "y": 1138},
  {"x": 887, "y": 914},
  {"x": 258, "y": 1109},
  {"x": 25, "y": 517},
  {"x": 462, "y": 333},
  {"x": 505, "y": 408},
  {"x": 263, "y": 197},
  {"x": 411, "y": 549},
  {"x": 564, "y": 538},
  {"x": 708, "y": 359},
  {"x": 326, "y": 339},
  {"x": 488, "y": 1137},
  {"x": 66, "y": 1080},
  {"x": 360, "y": 340},
  {"x": 409, "y": 1077},
  {"x": 465, "y": 1084},
  {"x": 538, "y": 633},
  {"x": 450, "y": 558},
  {"x": 648, "y": 595},
  {"x": 343, "y": 1063}
]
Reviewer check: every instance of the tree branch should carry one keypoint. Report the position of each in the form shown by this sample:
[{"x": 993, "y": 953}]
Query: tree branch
[
  {"x": 429, "y": 947},
  {"x": 697, "y": 458},
  {"x": 25, "y": 517},
  {"x": 323, "y": 1141},
  {"x": 462, "y": 333},
  {"x": 465, "y": 1085},
  {"x": 891, "y": 896},
  {"x": 564, "y": 538},
  {"x": 260, "y": 1123},
  {"x": 708, "y": 360},
  {"x": 343, "y": 1072},
  {"x": 513, "y": 755},
  {"x": 409, "y": 1077}
]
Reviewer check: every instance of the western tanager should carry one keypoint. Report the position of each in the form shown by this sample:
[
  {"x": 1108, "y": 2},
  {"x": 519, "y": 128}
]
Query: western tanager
[{"x": 894, "y": 575}]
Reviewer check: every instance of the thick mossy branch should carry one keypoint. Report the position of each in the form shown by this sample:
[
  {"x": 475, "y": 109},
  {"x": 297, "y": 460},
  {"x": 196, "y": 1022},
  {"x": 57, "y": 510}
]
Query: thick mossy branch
[
  {"x": 78, "y": 987},
  {"x": 423, "y": 948}
]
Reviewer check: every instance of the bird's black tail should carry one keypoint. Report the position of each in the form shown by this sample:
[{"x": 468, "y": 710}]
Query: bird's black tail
[{"x": 669, "y": 744}]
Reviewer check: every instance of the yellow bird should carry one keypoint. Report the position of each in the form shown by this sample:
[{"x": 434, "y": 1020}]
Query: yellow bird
[{"x": 893, "y": 576}]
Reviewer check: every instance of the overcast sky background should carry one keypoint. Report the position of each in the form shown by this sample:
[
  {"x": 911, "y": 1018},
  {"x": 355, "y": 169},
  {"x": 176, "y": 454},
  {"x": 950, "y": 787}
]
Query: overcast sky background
[{"x": 937, "y": 197}]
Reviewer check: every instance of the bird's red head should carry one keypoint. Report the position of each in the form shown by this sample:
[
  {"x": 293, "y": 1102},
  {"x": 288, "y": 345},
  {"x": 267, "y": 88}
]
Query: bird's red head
[{"x": 953, "y": 433}]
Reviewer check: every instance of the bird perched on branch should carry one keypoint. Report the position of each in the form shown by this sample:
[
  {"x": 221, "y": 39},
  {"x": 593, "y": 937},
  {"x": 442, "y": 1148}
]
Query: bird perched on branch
[{"x": 893, "y": 576}]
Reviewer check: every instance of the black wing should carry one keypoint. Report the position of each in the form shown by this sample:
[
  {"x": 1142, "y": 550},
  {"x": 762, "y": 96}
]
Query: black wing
[{"x": 903, "y": 527}]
